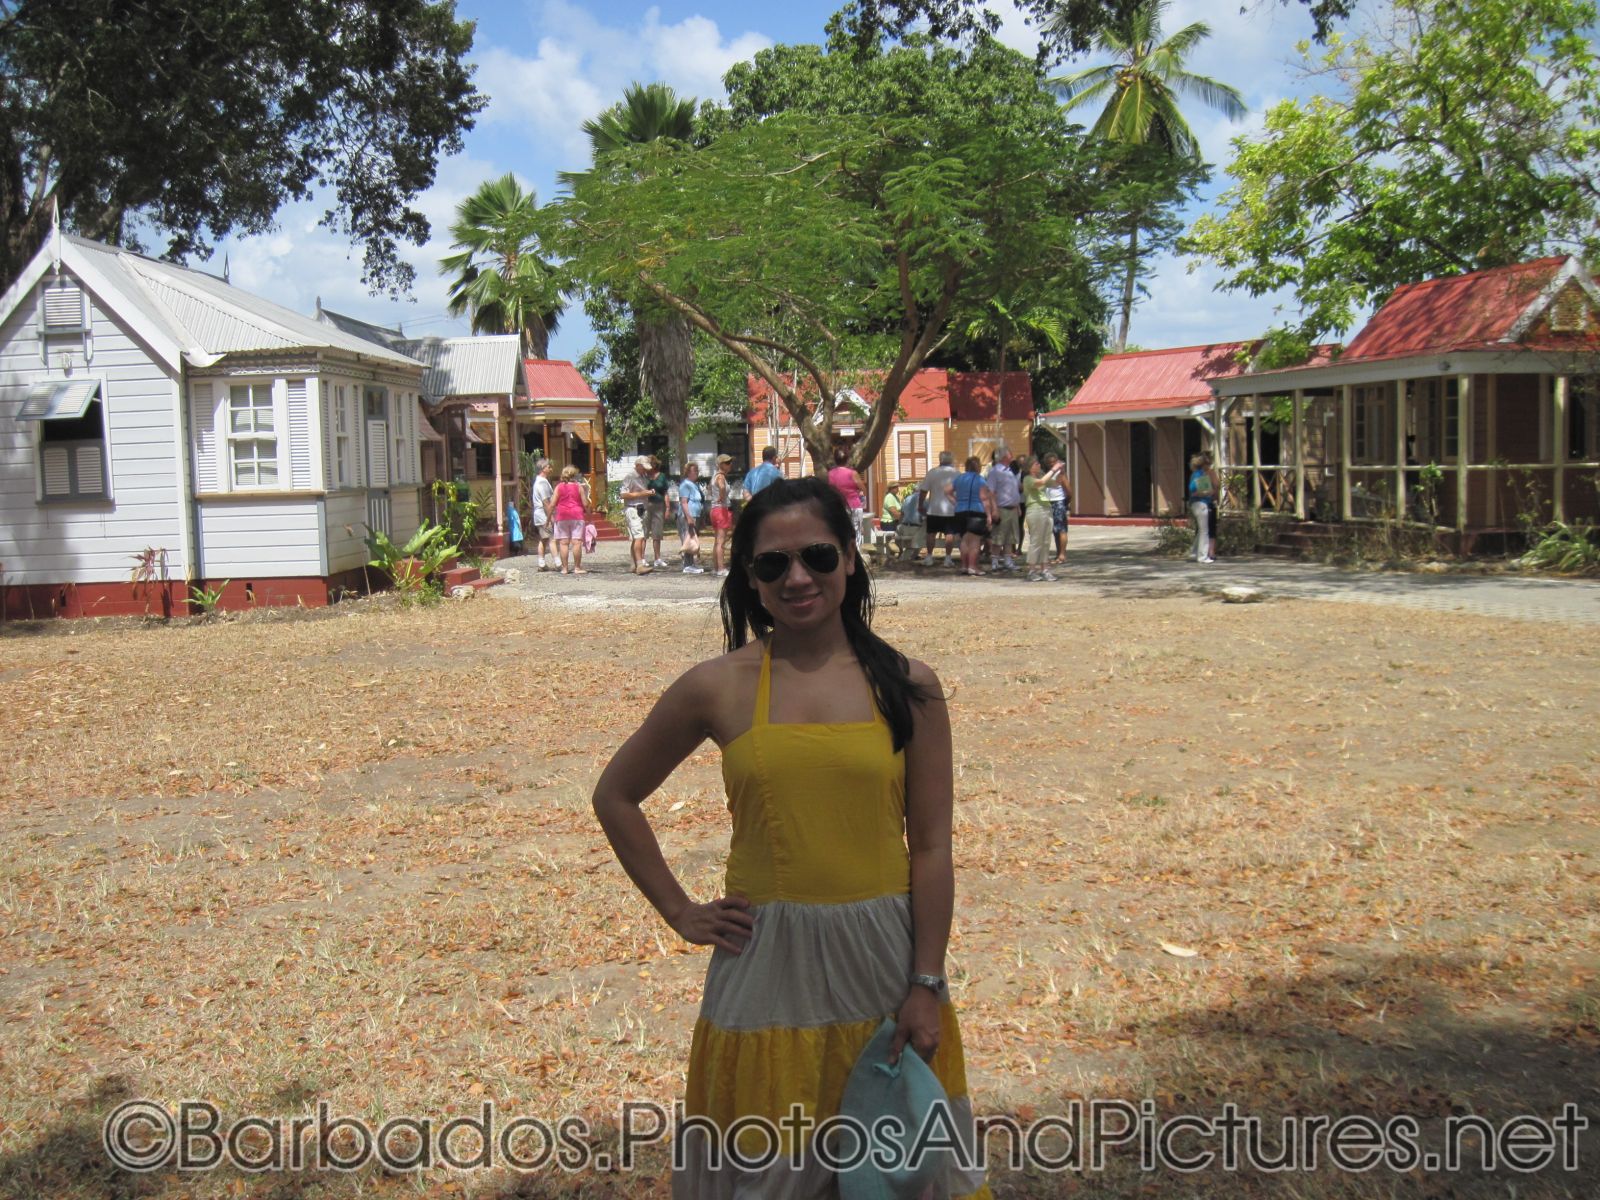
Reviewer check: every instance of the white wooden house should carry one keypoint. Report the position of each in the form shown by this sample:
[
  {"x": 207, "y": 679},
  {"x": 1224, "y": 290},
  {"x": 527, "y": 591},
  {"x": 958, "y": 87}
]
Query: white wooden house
[{"x": 149, "y": 410}]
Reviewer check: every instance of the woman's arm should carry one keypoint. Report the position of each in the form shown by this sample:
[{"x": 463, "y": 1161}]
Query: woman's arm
[
  {"x": 930, "y": 797},
  {"x": 675, "y": 726}
]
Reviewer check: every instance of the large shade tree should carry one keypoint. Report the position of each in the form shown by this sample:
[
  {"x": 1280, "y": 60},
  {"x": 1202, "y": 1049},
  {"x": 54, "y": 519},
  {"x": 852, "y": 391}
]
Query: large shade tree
[
  {"x": 653, "y": 113},
  {"x": 501, "y": 277},
  {"x": 1457, "y": 137},
  {"x": 179, "y": 121},
  {"x": 1138, "y": 96},
  {"x": 826, "y": 249}
]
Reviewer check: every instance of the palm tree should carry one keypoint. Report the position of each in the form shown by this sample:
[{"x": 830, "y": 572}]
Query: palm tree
[
  {"x": 501, "y": 279},
  {"x": 1140, "y": 90},
  {"x": 648, "y": 113},
  {"x": 1015, "y": 329}
]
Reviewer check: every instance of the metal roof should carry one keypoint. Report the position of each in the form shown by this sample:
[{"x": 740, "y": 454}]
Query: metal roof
[
  {"x": 556, "y": 379},
  {"x": 1152, "y": 382},
  {"x": 931, "y": 394},
  {"x": 481, "y": 365},
  {"x": 207, "y": 315}
]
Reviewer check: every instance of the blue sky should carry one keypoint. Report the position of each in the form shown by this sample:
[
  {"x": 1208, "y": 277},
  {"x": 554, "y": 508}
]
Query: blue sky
[{"x": 547, "y": 65}]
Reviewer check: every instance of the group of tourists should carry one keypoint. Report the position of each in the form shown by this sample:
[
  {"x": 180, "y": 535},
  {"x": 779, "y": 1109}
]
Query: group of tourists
[{"x": 1017, "y": 509}]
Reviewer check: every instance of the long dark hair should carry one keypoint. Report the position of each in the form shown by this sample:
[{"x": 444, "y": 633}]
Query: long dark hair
[{"x": 888, "y": 673}]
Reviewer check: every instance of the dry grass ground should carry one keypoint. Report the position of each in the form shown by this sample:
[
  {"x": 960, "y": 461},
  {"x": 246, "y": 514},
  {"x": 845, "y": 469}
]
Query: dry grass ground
[{"x": 351, "y": 860}]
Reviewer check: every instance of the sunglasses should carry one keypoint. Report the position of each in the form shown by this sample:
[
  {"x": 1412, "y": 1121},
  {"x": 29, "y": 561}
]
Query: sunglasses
[{"x": 820, "y": 558}]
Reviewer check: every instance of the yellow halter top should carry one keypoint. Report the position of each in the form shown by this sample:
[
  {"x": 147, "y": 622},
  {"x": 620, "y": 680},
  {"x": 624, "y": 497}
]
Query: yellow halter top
[{"x": 818, "y": 809}]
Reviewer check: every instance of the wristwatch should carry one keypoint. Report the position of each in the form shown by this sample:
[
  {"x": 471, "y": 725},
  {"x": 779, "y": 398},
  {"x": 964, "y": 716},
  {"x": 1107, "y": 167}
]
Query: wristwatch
[{"x": 934, "y": 983}]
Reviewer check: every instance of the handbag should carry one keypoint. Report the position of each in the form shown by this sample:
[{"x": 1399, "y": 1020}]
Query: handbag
[{"x": 591, "y": 535}]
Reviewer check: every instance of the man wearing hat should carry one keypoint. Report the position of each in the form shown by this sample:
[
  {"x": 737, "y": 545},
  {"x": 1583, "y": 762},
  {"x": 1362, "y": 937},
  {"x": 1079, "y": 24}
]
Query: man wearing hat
[{"x": 636, "y": 493}]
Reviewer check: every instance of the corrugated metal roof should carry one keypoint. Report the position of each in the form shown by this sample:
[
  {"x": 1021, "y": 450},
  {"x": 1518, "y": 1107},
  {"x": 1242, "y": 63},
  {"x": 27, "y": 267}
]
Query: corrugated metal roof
[
  {"x": 467, "y": 366},
  {"x": 1476, "y": 311},
  {"x": 1179, "y": 379},
  {"x": 214, "y": 317},
  {"x": 555, "y": 379}
]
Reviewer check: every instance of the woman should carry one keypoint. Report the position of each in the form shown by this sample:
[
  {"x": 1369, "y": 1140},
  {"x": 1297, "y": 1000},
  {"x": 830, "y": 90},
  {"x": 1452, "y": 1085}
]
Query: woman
[
  {"x": 839, "y": 891},
  {"x": 847, "y": 482},
  {"x": 974, "y": 511},
  {"x": 1059, "y": 493},
  {"x": 889, "y": 518},
  {"x": 691, "y": 502},
  {"x": 1203, "y": 489},
  {"x": 721, "y": 513},
  {"x": 1037, "y": 520},
  {"x": 568, "y": 503}
]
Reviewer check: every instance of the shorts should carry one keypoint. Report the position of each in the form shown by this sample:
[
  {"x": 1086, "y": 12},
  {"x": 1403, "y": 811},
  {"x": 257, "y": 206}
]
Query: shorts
[
  {"x": 974, "y": 523},
  {"x": 569, "y": 531},
  {"x": 687, "y": 524},
  {"x": 722, "y": 518},
  {"x": 541, "y": 531},
  {"x": 1058, "y": 516},
  {"x": 1008, "y": 528},
  {"x": 655, "y": 520},
  {"x": 635, "y": 518},
  {"x": 937, "y": 525}
]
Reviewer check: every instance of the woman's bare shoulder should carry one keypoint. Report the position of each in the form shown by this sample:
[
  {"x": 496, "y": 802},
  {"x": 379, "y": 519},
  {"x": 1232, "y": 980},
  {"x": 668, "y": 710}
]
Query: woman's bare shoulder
[
  {"x": 715, "y": 676},
  {"x": 923, "y": 675}
]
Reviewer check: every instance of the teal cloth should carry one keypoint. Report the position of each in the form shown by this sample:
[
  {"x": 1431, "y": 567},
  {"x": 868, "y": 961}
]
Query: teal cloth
[{"x": 908, "y": 1090}]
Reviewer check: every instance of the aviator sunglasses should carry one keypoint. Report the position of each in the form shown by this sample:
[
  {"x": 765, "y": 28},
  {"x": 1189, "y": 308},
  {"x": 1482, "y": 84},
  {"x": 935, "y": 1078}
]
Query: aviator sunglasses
[{"x": 820, "y": 558}]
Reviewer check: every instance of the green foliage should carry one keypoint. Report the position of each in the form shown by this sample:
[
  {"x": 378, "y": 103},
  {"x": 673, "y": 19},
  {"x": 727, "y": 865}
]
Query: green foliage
[
  {"x": 206, "y": 599},
  {"x": 1570, "y": 548},
  {"x": 412, "y": 565},
  {"x": 461, "y": 512},
  {"x": 187, "y": 121},
  {"x": 1463, "y": 137},
  {"x": 847, "y": 214},
  {"x": 501, "y": 277}
]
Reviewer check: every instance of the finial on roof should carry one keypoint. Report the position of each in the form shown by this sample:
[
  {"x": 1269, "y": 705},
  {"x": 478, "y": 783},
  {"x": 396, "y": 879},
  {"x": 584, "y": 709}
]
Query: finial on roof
[
  {"x": 225, "y": 270},
  {"x": 55, "y": 233}
]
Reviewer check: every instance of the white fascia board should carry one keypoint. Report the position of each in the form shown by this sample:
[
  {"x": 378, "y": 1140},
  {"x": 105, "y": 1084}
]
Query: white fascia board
[
  {"x": 1510, "y": 361},
  {"x": 1132, "y": 414},
  {"x": 26, "y": 282},
  {"x": 158, "y": 339},
  {"x": 1571, "y": 269}
]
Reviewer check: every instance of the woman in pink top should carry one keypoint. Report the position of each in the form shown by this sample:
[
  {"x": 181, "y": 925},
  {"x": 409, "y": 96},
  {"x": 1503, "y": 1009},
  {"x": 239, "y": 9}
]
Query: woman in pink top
[
  {"x": 567, "y": 505},
  {"x": 847, "y": 483}
]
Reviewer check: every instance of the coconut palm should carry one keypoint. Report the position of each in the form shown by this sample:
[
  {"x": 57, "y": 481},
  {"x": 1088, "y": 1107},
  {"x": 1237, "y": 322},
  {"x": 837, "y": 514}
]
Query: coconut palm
[
  {"x": 1140, "y": 92},
  {"x": 1015, "y": 329},
  {"x": 647, "y": 113},
  {"x": 500, "y": 277}
]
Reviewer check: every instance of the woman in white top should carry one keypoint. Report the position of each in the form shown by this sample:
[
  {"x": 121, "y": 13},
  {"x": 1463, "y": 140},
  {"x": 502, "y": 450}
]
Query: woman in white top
[{"x": 1059, "y": 492}]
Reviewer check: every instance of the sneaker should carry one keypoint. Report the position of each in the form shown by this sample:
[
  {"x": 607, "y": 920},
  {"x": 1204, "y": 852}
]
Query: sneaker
[
  {"x": 691, "y": 569},
  {"x": 719, "y": 574},
  {"x": 1208, "y": 560},
  {"x": 643, "y": 569},
  {"x": 1035, "y": 577},
  {"x": 951, "y": 560},
  {"x": 660, "y": 562},
  {"x": 1049, "y": 577}
]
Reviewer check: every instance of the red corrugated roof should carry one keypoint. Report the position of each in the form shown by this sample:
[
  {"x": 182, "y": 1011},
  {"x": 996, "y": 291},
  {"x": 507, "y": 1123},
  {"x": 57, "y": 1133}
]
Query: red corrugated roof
[
  {"x": 555, "y": 379},
  {"x": 1152, "y": 380},
  {"x": 1465, "y": 312},
  {"x": 932, "y": 394}
]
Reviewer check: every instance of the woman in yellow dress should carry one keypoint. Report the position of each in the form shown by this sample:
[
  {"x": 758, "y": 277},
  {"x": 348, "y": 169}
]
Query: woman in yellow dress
[{"x": 840, "y": 886}]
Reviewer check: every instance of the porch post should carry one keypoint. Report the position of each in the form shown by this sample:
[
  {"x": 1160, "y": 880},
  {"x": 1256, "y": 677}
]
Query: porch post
[
  {"x": 1400, "y": 449},
  {"x": 1558, "y": 446},
  {"x": 1463, "y": 447},
  {"x": 1105, "y": 467},
  {"x": 499, "y": 486},
  {"x": 1492, "y": 441},
  {"x": 1299, "y": 455},
  {"x": 1346, "y": 432},
  {"x": 1255, "y": 452}
]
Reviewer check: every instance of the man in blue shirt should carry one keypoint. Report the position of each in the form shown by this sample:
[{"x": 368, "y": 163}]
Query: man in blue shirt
[
  {"x": 766, "y": 473},
  {"x": 1008, "y": 499}
]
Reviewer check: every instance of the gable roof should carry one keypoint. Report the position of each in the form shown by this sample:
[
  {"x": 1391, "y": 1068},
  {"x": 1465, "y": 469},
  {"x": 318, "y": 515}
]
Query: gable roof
[
  {"x": 1482, "y": 310},
  {"x": 479, "y": 365},
  {"x": 931, "y": 394},
  {"x": 1161, "y": 382},
  {"x": 555, "y": 379}
]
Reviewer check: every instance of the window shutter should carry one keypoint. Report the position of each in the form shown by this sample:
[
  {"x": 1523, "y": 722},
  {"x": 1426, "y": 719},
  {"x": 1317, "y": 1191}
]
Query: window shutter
[
  {"x": 330, "y": 468},
  {"x": 299, "y": 433},
  {"x": 91, "y": 472},
  {"x": 63, "y": 309},
  {"x": 413, "y": 463},
  {"x": 57, "y": 473},
  {"x": 378, "y": 443},
  {"x": 280, "y": 428},
  {"x": 358, "y": 441},
  {"x": 203, "y": 417}
]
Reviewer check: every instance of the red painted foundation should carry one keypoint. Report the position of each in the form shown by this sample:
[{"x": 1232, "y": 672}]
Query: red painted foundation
[{"x": 36, "y": 601}]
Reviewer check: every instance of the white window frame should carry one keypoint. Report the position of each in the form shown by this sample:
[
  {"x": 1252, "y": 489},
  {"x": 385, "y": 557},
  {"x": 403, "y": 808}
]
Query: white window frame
[
  {"x": 73, "y": 450},
  {"x": 342, "y": 459},
  {"x": 257, "y": 435}
]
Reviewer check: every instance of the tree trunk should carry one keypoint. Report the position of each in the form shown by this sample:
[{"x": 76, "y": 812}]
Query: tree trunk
[
  {"x": 666, "y": 372},
  {"x": 535, "y": 340},
  {"x": 1128, "y": 281}
]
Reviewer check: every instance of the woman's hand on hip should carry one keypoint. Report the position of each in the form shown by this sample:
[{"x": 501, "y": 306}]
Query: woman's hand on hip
[
  {"x": 726, "y": 922},
  {"x": 917, "y": 1022}
]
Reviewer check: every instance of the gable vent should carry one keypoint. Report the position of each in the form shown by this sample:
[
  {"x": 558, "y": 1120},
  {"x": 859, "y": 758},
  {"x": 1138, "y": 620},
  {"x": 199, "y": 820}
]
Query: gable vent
[
  {"x": 1570, "y": 311},
  {"x": 63, "y": 309}
]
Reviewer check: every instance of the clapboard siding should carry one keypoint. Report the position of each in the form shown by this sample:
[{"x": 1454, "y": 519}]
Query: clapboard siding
[
  {"x": 405, "y": 513},
  {"x": 346, "y": 529},
  {"x": 89, "y": 541},
  {"x": 260, "y": 539}
]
